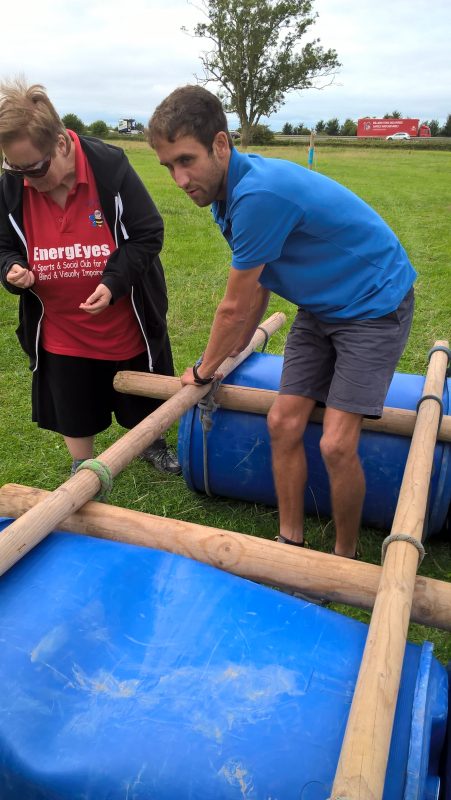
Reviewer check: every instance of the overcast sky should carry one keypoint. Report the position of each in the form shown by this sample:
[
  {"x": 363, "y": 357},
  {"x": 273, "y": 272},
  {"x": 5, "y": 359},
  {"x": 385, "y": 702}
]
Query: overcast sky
[{"x": 108, "y": 60}]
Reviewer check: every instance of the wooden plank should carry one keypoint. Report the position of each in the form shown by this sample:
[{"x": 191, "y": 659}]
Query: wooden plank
[
  {"x": 398, "y": 421},
  {"x": 363, "y": 760},
  {"x": 320, "y": 575}
]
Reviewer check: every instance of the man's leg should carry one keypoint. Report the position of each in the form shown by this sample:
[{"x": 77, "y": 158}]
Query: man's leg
[
  {"x": 339, "y": 442},
  {"x": 287, "y": 421}
]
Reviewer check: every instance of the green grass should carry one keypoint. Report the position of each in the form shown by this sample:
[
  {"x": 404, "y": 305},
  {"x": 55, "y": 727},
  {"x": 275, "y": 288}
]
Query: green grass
[{"x": 410, "y": 189}]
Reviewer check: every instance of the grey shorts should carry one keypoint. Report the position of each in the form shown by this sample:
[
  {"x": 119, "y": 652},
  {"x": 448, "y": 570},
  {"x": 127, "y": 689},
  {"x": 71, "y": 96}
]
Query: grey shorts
[{"x": 346, "y": 365}]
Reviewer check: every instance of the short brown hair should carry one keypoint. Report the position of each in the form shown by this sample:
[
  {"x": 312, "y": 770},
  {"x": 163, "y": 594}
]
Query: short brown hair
[
  {"x": 26, "y": 111},
  {"x": 188, "y": 111}
]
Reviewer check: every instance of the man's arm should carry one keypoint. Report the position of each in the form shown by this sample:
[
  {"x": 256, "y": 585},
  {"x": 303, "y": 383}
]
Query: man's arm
[
  {"x": 255, "y": 316},
  {"x": 236, "y": 318}
]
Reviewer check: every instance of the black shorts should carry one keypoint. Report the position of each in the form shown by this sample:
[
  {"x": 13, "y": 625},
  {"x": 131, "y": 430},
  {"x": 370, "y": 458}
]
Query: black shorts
[
  {"x": 346, "y": 365},
  {"x": 75, "y": 396}
]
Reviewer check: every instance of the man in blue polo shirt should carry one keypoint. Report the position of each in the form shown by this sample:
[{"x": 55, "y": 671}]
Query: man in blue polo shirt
[{"x": 313, "y": 242}]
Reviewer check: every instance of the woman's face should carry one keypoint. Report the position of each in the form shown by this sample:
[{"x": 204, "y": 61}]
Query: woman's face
[{"x": 21, "y": 154}]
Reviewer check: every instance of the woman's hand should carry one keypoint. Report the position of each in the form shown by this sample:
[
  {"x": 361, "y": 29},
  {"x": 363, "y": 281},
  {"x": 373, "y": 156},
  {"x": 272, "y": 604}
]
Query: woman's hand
[
  {"x": 21, "y": 277},
  {"x": 97, "y": 301}
]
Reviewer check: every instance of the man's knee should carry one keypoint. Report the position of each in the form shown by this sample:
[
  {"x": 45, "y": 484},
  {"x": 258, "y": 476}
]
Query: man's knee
[
  {"x": 283, "y": 426},
  {"x": 337, "y": 452}
]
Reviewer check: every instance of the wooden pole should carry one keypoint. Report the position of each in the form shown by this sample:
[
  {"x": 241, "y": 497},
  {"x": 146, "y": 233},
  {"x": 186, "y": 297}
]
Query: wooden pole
[
  {"x": 397, "y": 421},
  {"x": 363, "y": 760},
  {"x": 311, "y": 150},
  {"x": 320, "y": 575},
  {"x": 23, "y": 534}
]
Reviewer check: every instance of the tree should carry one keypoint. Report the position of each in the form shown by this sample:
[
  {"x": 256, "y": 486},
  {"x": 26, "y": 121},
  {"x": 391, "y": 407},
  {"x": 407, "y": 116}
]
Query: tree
[
  {"x": 333, "y": 127},
  {"x": 261, "y": 134},
  {"x": 287, "y": 129},
  {"x": 393, "y": 115},
  {"x": 349, "y": 128},
  {"x": 320, "y": 126},
  {"x": 99, "y": 128},
  {"x": 446, "y": 130},
  {"x": 301, "y": 130},
  {"x": 74, "y": 123},
  {"x": 255, "y": 55}
]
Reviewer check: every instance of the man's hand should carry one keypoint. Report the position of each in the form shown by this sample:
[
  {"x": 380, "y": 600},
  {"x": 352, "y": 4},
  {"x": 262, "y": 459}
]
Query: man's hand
[
  {"x": 21, "y": 277},
  {"x": 187, "y": 378},
  {"x": 97, "y": 301}
]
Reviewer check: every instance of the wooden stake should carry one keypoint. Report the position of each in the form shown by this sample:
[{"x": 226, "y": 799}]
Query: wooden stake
[
  {"x": 320, "y": 575},
  {"x": 363, "y": 760},
  {"x": 23, "y": 534},
  {"x": 311, "y": 150},
  {"x": 397, "y": 421}
]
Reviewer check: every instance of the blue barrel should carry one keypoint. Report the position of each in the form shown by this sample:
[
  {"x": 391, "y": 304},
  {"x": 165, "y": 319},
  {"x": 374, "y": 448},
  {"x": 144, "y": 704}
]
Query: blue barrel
[
  {"x": 128, "y": 673},
  {"x": 238, "y": 453},
  {"x": 446, "y": 757}
]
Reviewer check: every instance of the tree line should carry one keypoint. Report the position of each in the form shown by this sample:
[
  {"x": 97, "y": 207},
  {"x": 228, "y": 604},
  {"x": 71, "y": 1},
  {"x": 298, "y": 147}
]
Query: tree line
[
  {"x": 349, "y": 127},
  {"x": 99, "y": 128},
  {"x": 261, "y": 134}
]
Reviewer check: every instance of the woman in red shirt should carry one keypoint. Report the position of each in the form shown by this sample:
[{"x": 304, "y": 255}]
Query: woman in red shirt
[{"x": 79, "y": 242}]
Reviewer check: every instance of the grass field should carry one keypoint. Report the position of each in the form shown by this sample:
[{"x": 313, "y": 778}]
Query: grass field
[{"x": 411, "y": 190}]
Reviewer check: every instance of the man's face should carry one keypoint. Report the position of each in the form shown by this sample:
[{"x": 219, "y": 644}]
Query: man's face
[{"x": 201, "y": 174}]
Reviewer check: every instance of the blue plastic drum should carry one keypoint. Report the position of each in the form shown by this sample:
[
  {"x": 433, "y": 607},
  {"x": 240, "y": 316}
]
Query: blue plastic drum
[
  {"x": 239, "y": 453},
  {"x": 132, "y": 674}
]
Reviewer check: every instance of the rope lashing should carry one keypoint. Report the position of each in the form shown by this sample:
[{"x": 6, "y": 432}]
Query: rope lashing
[
  {"x": 207, "y": 406},
  {"x": 443, "y": 349},
  {"x": 104, "y": 475},
  {"x": 266, "y": 334},
  {"x": 432, "y": 397},
  {"x": 403, "y": 537}
]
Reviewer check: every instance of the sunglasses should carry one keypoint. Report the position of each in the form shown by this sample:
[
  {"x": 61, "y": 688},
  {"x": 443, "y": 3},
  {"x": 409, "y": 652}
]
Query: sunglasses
[{"x": 36, "y": 170}]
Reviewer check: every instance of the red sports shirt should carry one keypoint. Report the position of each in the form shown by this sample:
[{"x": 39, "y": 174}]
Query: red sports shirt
[{"x": 67, "y": 251}]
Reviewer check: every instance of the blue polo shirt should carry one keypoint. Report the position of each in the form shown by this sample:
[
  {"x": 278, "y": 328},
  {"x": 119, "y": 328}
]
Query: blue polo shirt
[{"x": 323, "y": 247}]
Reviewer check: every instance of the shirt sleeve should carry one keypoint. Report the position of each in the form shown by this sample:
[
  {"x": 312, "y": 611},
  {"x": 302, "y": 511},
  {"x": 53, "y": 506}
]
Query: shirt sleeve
[{"x": 261, "y": 222}]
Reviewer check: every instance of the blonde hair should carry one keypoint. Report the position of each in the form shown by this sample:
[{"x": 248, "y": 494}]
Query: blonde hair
[{"x": 26, "y": 111}]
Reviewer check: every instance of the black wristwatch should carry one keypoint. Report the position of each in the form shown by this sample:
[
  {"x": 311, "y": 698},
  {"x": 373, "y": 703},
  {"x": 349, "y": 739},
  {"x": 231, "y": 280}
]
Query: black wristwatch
[{"x": 201, "y": 381}]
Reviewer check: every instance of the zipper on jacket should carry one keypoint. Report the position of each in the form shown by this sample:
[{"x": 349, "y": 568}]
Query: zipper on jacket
[
  {"x": 19, "y": 233},
  {"x": 38, "y": 330},
  {"x": 119, "y": 209},
  {"x": 142, "y": 330}
]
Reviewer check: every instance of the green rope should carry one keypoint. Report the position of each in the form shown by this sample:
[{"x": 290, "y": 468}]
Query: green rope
[{"x": 104, "y": 475}]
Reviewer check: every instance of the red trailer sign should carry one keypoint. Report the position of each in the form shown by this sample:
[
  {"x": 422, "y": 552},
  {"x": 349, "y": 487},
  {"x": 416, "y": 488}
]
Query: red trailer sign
[{"x": 370, "y": 126}]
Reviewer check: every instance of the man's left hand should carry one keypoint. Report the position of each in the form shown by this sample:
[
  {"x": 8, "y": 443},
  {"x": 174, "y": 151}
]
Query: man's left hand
[
  {"x": 187, "y": 379},
  {"x": 97, "y": 301}
]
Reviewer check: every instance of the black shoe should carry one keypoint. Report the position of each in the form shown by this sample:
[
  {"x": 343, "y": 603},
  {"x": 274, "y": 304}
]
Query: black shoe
[
  {"x": 75, "y": 464},
  {"x": 356, "y": 557},
  {"x": 284, "y": 540},
  {"x": 162, "y": 457}
]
